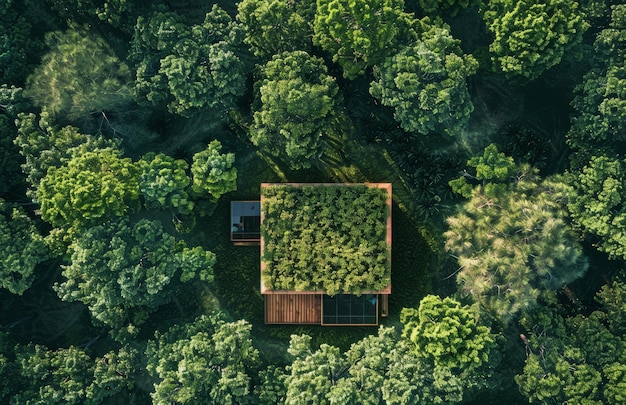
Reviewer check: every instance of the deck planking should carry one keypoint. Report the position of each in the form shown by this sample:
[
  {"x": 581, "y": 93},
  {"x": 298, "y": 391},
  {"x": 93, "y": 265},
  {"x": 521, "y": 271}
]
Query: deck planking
[{"x": 293, "y": 309}]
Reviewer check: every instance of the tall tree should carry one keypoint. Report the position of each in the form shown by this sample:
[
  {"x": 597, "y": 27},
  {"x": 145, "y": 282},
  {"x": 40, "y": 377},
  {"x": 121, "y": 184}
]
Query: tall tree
[
  {"x": 188, "y": 68},
  {"x": 448, "y": 334},
  {"x": 358, "y": 33},
  {"x": 162, "y": 182},
  {"x": 206, "y": 361},
  {"x": 426, "y": 82},
  {"x": 532, "y": 36},
  {"x": 274, "y": 26},
  {"x": 23, "y": 248},
  {"x": 79, "y": 77},
  {"x": 596, "y": 204},
  {"x": 123, "y": 273},
  {"x": 572, "y": 359},
  {"x": 297, "y": 108},
  {"x": 44, "y": 146},
  {"x": 513, "y": 244},
  {"x": 89, "y": 188},
  {"x": 213, "y": 173}
]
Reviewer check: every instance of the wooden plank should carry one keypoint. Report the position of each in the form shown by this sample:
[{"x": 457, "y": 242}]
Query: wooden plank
[{"x": 293, "y": 309}]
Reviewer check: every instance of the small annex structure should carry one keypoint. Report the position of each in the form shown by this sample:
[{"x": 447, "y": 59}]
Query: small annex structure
[
  {"x": 245, "y": 222},
  {"x": 325, "y": 252}
]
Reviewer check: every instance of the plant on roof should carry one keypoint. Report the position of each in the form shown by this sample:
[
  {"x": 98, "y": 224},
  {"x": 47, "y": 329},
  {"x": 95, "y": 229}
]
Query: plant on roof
[{"x": 326, "y": 238}]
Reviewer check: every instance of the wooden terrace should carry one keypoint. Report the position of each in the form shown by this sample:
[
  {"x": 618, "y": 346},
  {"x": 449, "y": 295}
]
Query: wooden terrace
[{"x": 293, "y": 308}]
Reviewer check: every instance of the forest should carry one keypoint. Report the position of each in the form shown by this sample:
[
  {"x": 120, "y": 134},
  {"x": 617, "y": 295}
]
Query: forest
[{"x": 128, "y": 126}]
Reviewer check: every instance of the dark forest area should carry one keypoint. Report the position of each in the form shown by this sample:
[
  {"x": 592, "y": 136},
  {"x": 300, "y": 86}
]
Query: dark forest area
[{"x": 127, "y": 128}]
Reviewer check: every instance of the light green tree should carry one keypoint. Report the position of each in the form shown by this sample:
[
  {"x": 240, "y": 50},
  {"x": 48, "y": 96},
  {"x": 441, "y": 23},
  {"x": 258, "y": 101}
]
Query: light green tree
[
  {"x": 23, "y": 248},
  {"x": 426, "y": 82},
  {"x": 274, "y": 26},
  {"x": 208, "y": 360},
  {"x": 162, "y": 182},
  {"x": 513, "y": 245},
  {"x": 89, "y": 188},
  {"x": 448, "y": 334},
  {"x": 358, "y": 33},
  {"x": 297, "y": 108},
  {"x": 213, "y": 173},
  {"x": 532, "y": 36}
]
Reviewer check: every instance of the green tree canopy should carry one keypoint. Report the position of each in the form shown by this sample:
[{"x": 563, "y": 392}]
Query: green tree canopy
[
  {"x": 124, "y": 272},
  {"x": 213, "y": 173},
  {"x": 88, "y": 188},
  {"x": 596, "y": 204},
  {"x": 447, "y": 334},
  {"x": 493, "y": 171},
  {"x": 532, "y": 36},
  {"x": 79, "y": 76},
  {"x": 162, "y": 182},
  {"x": 274, "y": 26},
  {"x": 575, "y": 359},
  {"x": 426, "y": 82},
  {"x": 46, "y": 146},
  {"x": 514, "y": 244},
  {"x": 298, "y": 108},
  {"x": 188, "y": 68},
  {"x": 23, "y": 248},
  {"x": 359, "y": 33},
  {"x": 208, "y": 361}
]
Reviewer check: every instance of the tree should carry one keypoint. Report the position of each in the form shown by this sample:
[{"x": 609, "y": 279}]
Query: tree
[
  {"x": 46, "y": 146},
  {"x": 208, "y": 360},
  {"x": 312, "y": 374},
  {"x": 17, "y": 43},
  {"x": 426, "y": 82},
  {"x": 213, "y": 173},
  {"x": 514, "y": 244},
  {"x": 190, "y": 69},
  {"x": 494, "y": 171},
  {"x": 162, "y": 182},
  {"x": 596, "y": 204},
  {"x": 359, "y": 33},
  {"x": 79, "y": 77},
  {"x": 272, "y": 27},
  {"x": 125, "y": 272},
  {"x": 532, "y": 36},
  {"x": 89, "y": 188},
  {"x": 438, "y": 7},
  {"x": 447, "y": 334},
  {"x": 573, "y": 359},
  {"x": 298, "y": 108},
  {"x": 23, "y": 248}
]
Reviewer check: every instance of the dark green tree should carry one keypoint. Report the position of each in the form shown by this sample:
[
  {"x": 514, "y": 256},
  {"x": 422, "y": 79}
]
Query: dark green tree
[
  {"x": 89, "y": 188},
  {"x": 514, "y": 244},
  {"x": 298, "y": 108},
  {"x": 23, "y": 248},
  {"x": 532, "y": 36},
  {"x": 207, "y": 361},
  {"x": 426, "y": 82},
  {"x": 596, "y": 204},
  {"x": 80, "y": 77},
  {"x": 188, "y": 68},
  {"x": 124, "y": 272},
  {"x": 451, "y": 7},
  {"x": 573, "y": 359},
  {"x": 359, "y": 33},
  {"x": 272, "y": 27}
]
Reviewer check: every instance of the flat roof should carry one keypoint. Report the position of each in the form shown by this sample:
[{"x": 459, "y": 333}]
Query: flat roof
[{"x": 388, "y": 236}]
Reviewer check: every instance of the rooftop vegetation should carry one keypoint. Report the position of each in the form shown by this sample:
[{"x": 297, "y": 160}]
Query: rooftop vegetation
[{"x": 330, "y": 238}]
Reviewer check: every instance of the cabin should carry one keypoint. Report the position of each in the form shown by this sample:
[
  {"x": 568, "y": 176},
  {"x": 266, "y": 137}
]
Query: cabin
[
  {"x": 313, "y": 306},
  {"x": 245, "y": 222}
]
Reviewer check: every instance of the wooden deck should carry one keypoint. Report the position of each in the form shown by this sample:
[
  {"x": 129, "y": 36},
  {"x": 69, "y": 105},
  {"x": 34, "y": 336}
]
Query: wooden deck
[{"x": 293, "y": 308}]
